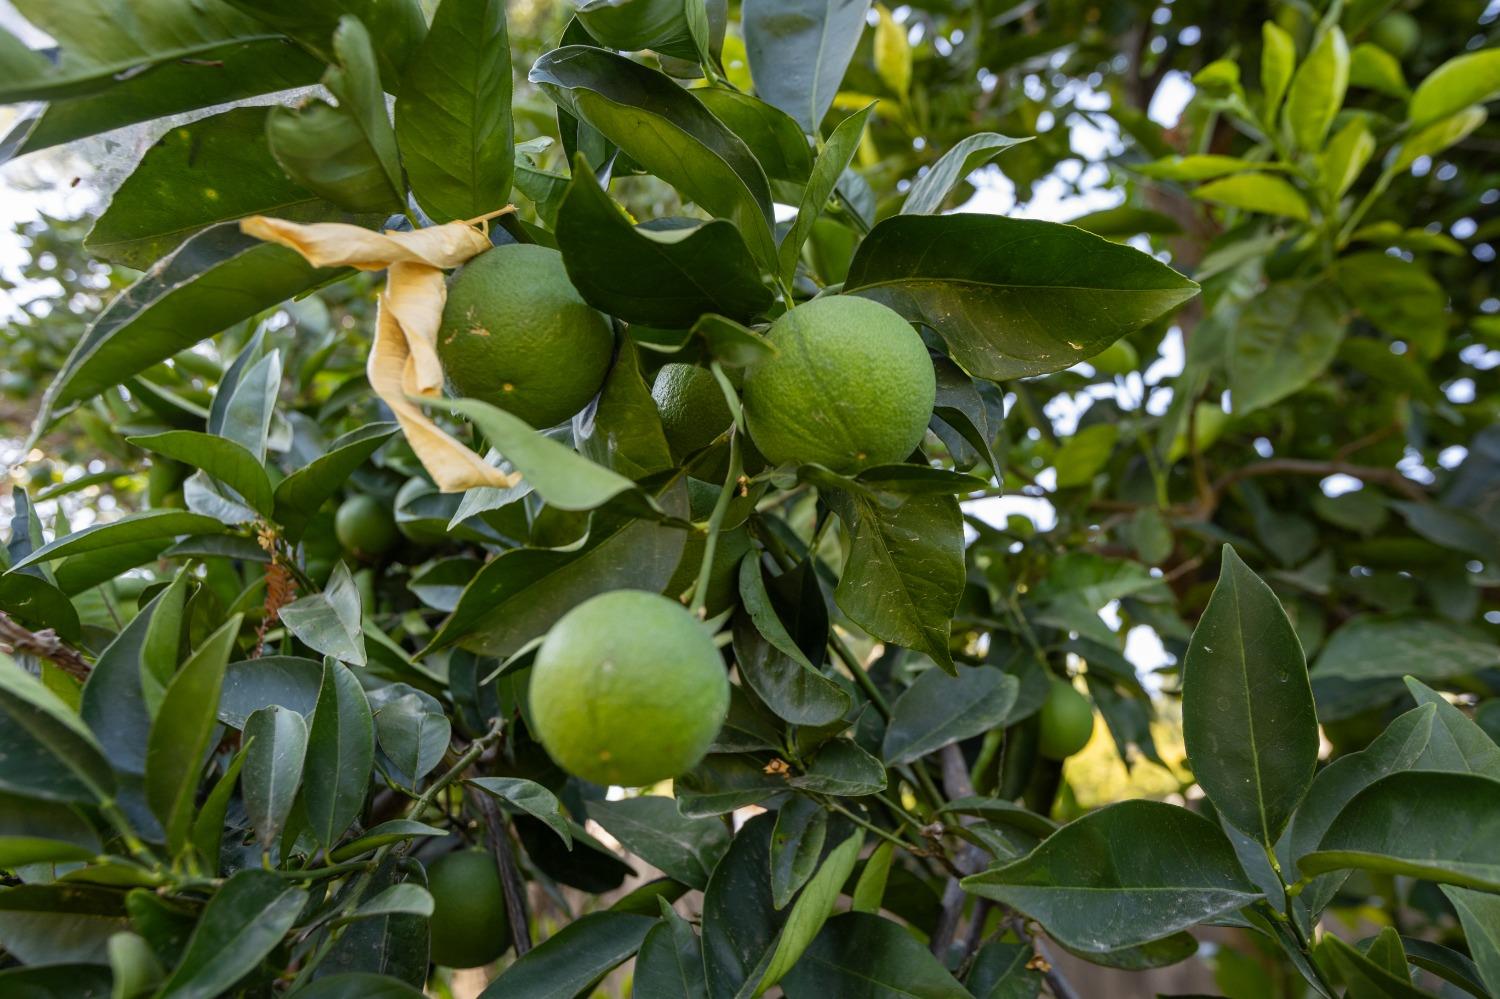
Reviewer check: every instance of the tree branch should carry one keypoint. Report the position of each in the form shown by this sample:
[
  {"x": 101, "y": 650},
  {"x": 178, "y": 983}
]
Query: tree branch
[
  {"x": 510, "y": 876},
  {"x": 43, "y": 644},
  {"x": 1389, "y": 477}
]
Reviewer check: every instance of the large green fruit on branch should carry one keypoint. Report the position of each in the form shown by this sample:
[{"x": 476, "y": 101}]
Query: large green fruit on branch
[
  {"x": 628, "y": 688},
  {"x": 851, "y": 386},
  {"x": 692, "y": 405},
  {"x": 515, "y": 333},
  {"x": 469, "y": 924}
]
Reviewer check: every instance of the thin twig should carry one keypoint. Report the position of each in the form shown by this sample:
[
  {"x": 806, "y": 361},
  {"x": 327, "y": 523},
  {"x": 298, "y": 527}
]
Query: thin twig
[
  {"x": 510, "y": 876},
  {"x": 43, "y": 644}
]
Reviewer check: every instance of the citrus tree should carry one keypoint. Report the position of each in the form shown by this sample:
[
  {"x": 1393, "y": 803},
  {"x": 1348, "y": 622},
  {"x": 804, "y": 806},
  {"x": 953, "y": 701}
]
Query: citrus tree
[{"x": 562, "y": 496}]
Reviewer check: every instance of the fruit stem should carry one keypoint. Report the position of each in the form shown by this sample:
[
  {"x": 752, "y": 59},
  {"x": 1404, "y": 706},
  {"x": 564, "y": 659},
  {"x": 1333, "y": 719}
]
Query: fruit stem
[{"x": 715, "y": 522}]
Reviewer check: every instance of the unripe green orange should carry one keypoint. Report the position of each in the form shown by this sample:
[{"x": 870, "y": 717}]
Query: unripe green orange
[
  {"x": 628, "y": 688},
  {"x": 692, "y": 406},
  {"x": 1119, "y": 358},
  {"x": 517, "y": 334},
  {"x": 851, "y": 386},
  {"x": 469, "y": 924},
  {"x": 1067, "y": 721},
  {"x": 364, "y": 526}
]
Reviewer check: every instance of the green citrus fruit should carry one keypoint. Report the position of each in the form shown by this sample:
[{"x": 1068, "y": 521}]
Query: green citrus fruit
[
  {"x": 1067, "y": 721},
  {"x": 364, "y": 526},
  {"x": 851, "y": 386},
  {"x": 1119, "y": 358},
  {"x": 628, "y": 688},
  {"x": 517, "y": 334},
  {"x": 1397, "y": 33},
  {"x": 693, "y": 410},
  {"x": 469, "y": 926}
]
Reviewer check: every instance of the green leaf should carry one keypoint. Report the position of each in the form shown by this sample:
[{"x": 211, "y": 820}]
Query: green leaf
[
  {"x": 799, "y": 50},
  {"x": 1125, "y": 875},
  {"x": 276, "y": 746},
  {"x": 393, "y": 831},
  {"x": 869, "y": 890},
  {"x": 670, "y": 964},
  {"x": 650, "y": 826},
  {"x": 453, "y": 118},
  {"x": 1317, "y": 91},
  {"x": 1371, "y": 648},
  {"x": 531, "y": 798},
  {"x": 1257, "y": 192},
  {"x": 1248, "y": 721},
  {"x": 358, "y": 985},
  {"x": 214, "y": 170},
  {"x": 330, "y": 621},
  {"x": 1013, "y": 297},
  {"x": 1373, "y": 68},
  {"x": 241, "y": 925},
  {"x": 100, "y": 41},
  {"x": 773, "y": 665},
  {"x": 246, "y": 402},
  {"x": 1363, "y": 976},
  {"x": 842, "y": 768},
  {"x": 147, "y": 527},
  {"x": 232, "y": 71},
  {"x": 44, "y": 924},
  {"x": 664, "y": 129},
  {"x": 216, "y": 278},
  {"x": 182, "y": 732},
  {"x": 1278, "y": 58},
  {"x": 1346, "y": 155},
  {"x": 931, "y": 189},
  {"x": 1447, "y": 964},
  {"x": 1200, "y": 166},
  {"x": 413, "y": 733},
  {"x": 1085, "y": 454},
  {"x": 1458, "y": 744},
  {"x": 811, "y": 911},
  {"x": 220, "y": 457},
  {"x": 570, "y": 961},
  {"x": 1398, "y": 748},
  {"x": 862, "y": 954},
  {"x": 340, "y": 754},
  {"x": 624, "y": 431},
  {"x": 210, "y": 821},
  {"x": 1286, "y": 337},
  {"x": 830, "y": 165},
  {"x": 796, "y": 846},
  {"x": 287, "y": 681},
  {"x": 939, "y": 710},
  {"x": 740, "y": 921},
  {"x": 723, "y": 782},
  {"x": 665, "y": 273},
  {"x": 633, "y": 25},
  {"x": 520, "y": 593},
  {"x": 775, "y": 139},
  {"x": 300, "y": 495},
  {"x": 1443, "y": 827},
  {"x": 1479, "y": 914},
  {"x": 1470, "y": 78},
  {"x": 396, "y": 900},
  {"x": 34, "y": 831},
  {"x": 1398, "y": 296},
  {"x": 905, "y": 570},
  {"x": 346, "y": 154},
  {"x": 396, "y": 27}
]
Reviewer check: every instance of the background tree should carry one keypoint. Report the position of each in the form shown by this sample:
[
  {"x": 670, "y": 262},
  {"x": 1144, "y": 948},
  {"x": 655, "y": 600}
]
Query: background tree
[{"x": 269, "y": 721}]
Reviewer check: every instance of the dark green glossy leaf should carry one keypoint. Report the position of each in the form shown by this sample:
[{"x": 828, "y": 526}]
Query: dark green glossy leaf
[
  {"x": 665, "y": 129},
  {"x": 1479, "y": 914},
  {"x": 771, "y": 662},
  {"x": 34, "y": 831},
  {"x": 776, "y": 140},
  {"x": 340, "y": 754},
  {"x": 665, "y": 273},
  {"x": 1364, "y": 977},
  {"x": 329, "y": 621},
  {"x": 213, "y": 170},
  {"x": 394, "y": 831},
  {"x": 740, "y": 922},
  {"x": 1155, "y": 954},
  {"x": 358, "y": 985},
  {"x": 453, "y": 119},
  {"x": 276, "y": 746},
  {"x": 931, "y": 189},
  {"x": 210, "y": 821},
  {"x": 811, "y": 911},
  {"x": 1447, "y": 964},
  {"x": 44, "y": 924},
  {"x": 300, "y": 494},
  {"x": 1457, "y": 743},
  {"x": 1013, "y": 297},
  {"x": 796, "y": 846},
  {"x": 1443, "y": 827},
  {"x": 723, "y": 782},
  {"x": 216, "y": 278},
  {"x": 45, "y": 750},
  {"x": 841, "y": 768},
  {"x": 799, "y": 51},
  {"x": 1248, "y": 721},
  {"x": 1122, "y": 876},
  {"x": 413, "y": 733},
  {"x": 833, "y": 159},
  {"x": 568, "y": 963},
  {"x": 670, "y": 964},
  {"x": 242, "y": 924},
  {"x": 651, "y": 827},
  {"x": 623, "y": 430},
  {"x": 145, "y": 526},
  {"x": 1369, "y": 648},
  {"x": 939, "y": 710},
  {"x": 1000, "y": 972},
  {"x": 182, "y": 731},
  {"x": 396, "y": 27},
  {"x": 229, "y": 462},
  {"x": 864, "y": 956},
  {"x": 1286, "y": 337},
  {"x": 38, "y": 603},
  {"x": 905, "y": 570},
  {"x": 288, "y": 681},
  {"x": 531, "y": 798}
]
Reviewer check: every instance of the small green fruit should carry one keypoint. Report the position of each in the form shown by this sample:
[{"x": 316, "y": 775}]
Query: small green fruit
[
  {"x": 365, "y": 527},
  {"x": 1067, "y": 721},
  {"x": 469, "y": 924}
]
